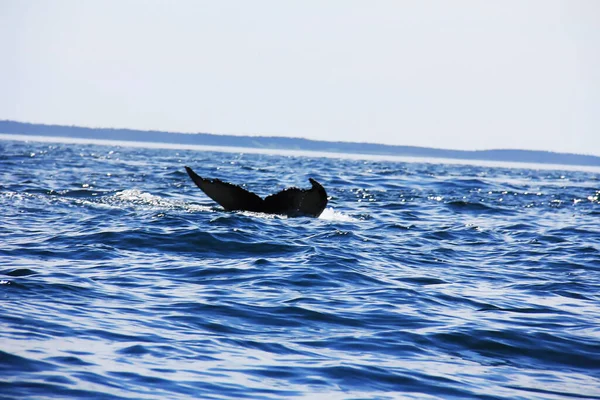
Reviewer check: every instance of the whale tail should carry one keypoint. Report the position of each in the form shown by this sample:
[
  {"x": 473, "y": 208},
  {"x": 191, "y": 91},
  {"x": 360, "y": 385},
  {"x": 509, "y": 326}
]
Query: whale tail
[
  {"x": 291, "y": 202},
  {"x": 230, "y": 197}
]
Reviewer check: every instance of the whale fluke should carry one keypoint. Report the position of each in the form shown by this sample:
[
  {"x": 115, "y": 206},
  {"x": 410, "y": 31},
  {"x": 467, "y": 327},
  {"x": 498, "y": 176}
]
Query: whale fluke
[{"x": 292, "y": 202}]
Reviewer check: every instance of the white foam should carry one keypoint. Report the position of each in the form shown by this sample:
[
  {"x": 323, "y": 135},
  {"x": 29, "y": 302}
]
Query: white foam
[
  {"x": 329, "y": 214},
  {"x": 138, "y": 198},
  {"x": 261, "y": 215}
]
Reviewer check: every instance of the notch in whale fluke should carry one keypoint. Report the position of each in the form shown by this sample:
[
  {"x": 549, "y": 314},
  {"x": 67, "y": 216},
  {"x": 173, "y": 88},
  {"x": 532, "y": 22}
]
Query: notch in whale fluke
[{"x": 292, "y": 202}]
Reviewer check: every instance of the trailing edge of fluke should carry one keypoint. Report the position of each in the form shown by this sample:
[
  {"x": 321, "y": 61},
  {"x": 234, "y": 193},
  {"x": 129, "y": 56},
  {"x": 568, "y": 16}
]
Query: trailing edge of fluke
[{"x": 292, "y": 202}]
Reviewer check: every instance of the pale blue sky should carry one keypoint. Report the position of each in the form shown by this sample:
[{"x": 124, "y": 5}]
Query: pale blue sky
[{"x": 449, "y": 74}]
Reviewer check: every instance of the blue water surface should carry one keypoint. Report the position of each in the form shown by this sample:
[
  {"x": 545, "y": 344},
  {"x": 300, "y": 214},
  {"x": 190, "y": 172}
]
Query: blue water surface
[{"x": 119, "y": 279}]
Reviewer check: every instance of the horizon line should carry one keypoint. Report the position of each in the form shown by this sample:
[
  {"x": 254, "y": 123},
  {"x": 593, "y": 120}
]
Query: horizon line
[{"x": 247, "y": 135}]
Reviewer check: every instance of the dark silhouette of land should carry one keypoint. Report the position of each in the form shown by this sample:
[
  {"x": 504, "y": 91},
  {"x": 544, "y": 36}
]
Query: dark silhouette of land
[{"x": 275, "y": 142}]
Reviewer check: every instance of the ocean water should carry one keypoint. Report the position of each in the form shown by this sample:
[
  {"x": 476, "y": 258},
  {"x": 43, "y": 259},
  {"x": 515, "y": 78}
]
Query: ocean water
[{"x": 119, "y": 279}]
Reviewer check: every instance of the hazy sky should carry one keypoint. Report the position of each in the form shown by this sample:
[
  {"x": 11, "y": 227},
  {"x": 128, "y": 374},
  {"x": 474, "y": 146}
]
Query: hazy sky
[{"x": 449, "y": 74}]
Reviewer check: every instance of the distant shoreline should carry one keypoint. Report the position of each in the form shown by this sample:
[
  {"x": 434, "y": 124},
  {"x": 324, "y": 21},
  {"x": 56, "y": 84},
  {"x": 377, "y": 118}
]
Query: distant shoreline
[
  {"x": 294, "y": 144},
  {"x": 301, "y": 153}
]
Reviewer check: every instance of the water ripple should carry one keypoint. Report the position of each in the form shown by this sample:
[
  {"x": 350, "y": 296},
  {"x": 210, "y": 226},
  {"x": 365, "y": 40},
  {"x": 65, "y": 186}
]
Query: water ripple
[{"x": 119, "y": 279}]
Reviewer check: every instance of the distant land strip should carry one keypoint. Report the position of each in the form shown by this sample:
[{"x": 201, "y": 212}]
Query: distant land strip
[{"x": 287, "y": 143}]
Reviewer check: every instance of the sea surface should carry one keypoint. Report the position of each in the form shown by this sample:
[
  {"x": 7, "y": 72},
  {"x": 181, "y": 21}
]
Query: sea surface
[{"x": 119, "y": 279}]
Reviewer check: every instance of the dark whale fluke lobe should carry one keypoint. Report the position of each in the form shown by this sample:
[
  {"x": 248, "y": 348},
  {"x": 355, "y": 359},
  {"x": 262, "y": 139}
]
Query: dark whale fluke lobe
[{"x": 292, "y": 202}]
